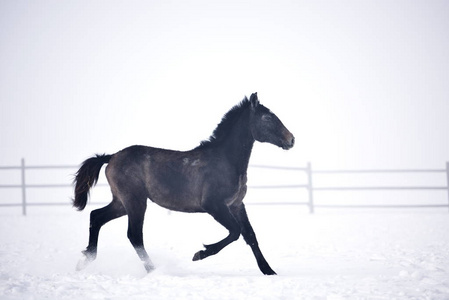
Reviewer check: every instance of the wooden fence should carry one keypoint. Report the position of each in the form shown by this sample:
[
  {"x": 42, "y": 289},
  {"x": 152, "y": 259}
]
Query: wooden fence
[{"x": 308, "y": 185}]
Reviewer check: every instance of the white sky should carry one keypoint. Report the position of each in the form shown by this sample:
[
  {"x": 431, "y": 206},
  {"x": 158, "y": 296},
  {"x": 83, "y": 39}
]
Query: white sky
[{"x": 360, "y": 83}]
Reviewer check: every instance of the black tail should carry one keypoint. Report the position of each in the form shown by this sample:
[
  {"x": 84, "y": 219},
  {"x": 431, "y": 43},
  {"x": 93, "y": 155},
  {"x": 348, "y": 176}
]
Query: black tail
[{"x": 87, "y": 177}]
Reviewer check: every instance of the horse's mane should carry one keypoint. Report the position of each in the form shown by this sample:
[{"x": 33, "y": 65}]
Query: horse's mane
[{"x": 226, "y": 123}]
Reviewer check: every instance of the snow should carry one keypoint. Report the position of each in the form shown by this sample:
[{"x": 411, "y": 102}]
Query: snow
[{"x": 335, "y": 254}]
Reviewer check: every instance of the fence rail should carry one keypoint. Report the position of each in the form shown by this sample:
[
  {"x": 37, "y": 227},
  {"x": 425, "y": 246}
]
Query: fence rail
[{"x": 309, "y": 185}]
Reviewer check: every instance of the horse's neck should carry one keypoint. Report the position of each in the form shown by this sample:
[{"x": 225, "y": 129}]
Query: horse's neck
[{"x": 238, "y": 145}]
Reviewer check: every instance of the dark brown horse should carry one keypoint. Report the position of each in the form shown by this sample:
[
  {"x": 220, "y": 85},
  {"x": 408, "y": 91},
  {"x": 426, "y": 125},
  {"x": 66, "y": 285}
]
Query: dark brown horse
[{"x": 210, "y": 178}]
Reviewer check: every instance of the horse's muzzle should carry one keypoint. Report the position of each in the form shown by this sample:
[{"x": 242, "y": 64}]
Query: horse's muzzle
[{"x": 289, "y": 142}]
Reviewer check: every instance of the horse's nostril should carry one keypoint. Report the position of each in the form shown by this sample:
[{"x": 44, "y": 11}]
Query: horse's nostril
[{"x": 293, "y": 141}]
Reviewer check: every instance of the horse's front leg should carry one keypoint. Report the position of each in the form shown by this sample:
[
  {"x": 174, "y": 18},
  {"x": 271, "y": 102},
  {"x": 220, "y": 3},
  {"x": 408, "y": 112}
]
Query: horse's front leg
[
  {"x": 222, "y": 215},
  {"x": 250, "y": 238}
]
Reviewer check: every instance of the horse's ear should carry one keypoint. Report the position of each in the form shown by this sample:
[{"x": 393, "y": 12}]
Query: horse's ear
[{"x": 254, "y": 100}]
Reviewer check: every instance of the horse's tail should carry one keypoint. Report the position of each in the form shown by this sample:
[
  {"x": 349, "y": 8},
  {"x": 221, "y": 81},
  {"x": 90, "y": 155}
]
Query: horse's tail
[{"x": 87, "y": 177}]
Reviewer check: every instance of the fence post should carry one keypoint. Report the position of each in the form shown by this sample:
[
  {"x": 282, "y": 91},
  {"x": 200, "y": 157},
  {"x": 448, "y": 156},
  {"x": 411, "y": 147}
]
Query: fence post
[
  {"x": 310, "y": 187},
  {"x": 24, "y": 200},
  {"x": 447, "y": 178}
]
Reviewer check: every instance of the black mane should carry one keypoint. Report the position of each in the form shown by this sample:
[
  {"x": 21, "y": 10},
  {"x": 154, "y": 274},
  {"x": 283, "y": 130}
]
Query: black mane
[{"x": 226, "y": 123}]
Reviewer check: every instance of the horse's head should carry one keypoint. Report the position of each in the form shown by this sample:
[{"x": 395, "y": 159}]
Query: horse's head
[{"x": 266, "y": 126}]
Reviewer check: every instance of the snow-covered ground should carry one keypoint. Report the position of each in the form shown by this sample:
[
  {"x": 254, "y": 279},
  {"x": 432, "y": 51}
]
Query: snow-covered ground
[{"x": 338, "y": 254}]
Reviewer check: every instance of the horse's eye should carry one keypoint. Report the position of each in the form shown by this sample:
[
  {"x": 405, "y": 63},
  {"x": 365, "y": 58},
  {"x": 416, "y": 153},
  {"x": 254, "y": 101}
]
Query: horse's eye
[{"x": 266, "y": 117}]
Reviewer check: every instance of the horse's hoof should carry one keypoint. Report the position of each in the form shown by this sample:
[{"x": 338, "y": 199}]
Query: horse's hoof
[
  {"x": 86, "y": 260},
  {"x": 82, "y": 264},
  {"x": 268, "y": 271},
  {"x": 199, "y": 255},
  {"x": 149, "y": 267},
  {"x": 271, "y": 272}
]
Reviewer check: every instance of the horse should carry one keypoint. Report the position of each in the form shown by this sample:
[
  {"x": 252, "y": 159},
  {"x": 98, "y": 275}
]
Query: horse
[{"x": 210, "y": 178}]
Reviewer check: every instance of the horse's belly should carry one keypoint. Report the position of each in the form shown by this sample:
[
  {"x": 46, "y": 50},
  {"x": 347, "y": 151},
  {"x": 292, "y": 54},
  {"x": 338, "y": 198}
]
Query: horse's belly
[
  {"x": 175, "y": 198},
  {"x": 176, "y": 204}
]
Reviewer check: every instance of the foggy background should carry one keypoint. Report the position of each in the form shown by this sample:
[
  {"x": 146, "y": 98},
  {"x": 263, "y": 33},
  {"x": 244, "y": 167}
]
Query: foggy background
[{"x": 361, "y": 84}]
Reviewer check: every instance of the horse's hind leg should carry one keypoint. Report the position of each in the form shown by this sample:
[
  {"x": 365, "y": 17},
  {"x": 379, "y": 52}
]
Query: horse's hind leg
[
  {"x": 98, "y": 218},
  {"x": 136, "y": 216}
]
